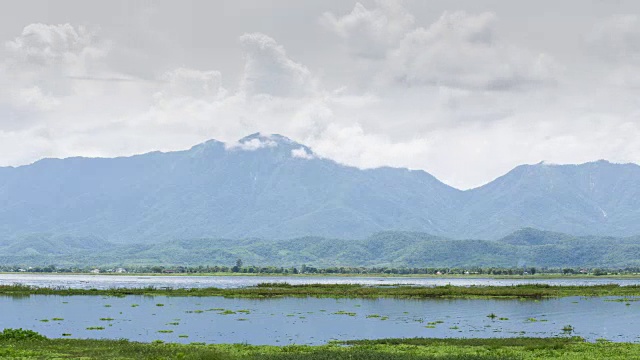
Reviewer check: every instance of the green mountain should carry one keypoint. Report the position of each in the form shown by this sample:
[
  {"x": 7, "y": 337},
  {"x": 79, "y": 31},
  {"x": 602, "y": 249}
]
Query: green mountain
[
  {"x": 268, "y": 186},
  {"x": 527, "y": 247}
]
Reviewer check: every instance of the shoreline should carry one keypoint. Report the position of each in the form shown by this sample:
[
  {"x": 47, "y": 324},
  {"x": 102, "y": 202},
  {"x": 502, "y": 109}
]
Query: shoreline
[
  {"x": 282, "y": 290},
  {"x": 372, "y": 275}
]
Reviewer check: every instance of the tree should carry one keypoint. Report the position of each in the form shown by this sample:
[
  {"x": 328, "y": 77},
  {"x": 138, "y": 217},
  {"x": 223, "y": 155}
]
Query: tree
[{"x": 238, "y": 266}]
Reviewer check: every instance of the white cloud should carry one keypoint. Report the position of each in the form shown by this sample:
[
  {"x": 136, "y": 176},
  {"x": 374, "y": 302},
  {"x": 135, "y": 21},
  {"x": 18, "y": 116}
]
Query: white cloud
[
  {"x": 269, "y": 71},
  {"x": 460, "y": 50},
  {"x": 48, "y": 45},
  {"x": 251, "y": 144},
  {"x": 617, "y": 38},
  {"x": 193, "y": 83},
  {"x": 34, "y": 98},
  {"x": 615, "y": 41},
  {"x": 371, "y": 33},
  {"x": 302, "y": 153}
]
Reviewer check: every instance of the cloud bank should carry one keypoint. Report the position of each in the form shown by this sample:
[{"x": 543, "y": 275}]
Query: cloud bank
[{"x": 454, "y": 96}]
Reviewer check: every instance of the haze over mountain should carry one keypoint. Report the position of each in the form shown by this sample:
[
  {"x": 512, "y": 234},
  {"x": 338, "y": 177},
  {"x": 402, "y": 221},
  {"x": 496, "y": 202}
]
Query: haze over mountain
[{"x": 268, "y": 186}]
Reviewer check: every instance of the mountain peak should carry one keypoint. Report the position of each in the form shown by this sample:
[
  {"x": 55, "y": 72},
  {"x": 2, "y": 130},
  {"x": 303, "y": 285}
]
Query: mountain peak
[
  {"x": 277, "y": 138},
  {"x": 276, "y": 142}
]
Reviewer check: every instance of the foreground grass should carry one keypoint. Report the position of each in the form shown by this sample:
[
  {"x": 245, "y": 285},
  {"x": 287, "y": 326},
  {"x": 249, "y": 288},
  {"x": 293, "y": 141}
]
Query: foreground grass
[
  {"x": 275, "y": 290},
  {"x": 396, "y": 349}
]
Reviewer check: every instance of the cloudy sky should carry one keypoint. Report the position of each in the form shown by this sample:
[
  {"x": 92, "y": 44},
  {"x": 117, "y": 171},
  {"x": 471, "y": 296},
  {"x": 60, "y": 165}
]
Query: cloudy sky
[{"x": 465, "y": 90}]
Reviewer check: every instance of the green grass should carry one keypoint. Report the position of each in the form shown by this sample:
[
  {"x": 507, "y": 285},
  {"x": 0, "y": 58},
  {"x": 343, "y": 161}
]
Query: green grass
[
  {"x": 261, "y": 291},
  {"x": 570, "y": 348}
]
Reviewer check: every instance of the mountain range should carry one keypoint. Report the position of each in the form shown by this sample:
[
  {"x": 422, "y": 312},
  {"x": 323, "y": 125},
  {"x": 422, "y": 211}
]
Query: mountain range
[
  {"x": 270, "y": 187},
  {"x": 525, "y": 247}
]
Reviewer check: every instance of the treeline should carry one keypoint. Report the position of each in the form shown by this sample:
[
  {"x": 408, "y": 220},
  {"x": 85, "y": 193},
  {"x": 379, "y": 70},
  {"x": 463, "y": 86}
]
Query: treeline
[{"x": 306, "y": 269}]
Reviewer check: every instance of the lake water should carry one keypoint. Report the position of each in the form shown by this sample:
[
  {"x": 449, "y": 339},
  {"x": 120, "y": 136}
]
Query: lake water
[
  {"x": 131, "y": 281},
  {"x": 316, "y": 321}
]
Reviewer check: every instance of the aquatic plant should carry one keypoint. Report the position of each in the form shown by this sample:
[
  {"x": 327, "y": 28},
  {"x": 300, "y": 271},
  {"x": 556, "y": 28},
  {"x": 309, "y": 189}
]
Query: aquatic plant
[
  {"x": 567, "y": 328},
  {"x": 20, "y": 334},
  {"x": 342, "y": 312}
]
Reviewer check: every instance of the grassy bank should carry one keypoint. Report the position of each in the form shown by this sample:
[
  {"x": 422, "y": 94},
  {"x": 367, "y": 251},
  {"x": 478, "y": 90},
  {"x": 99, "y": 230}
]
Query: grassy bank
[
  {"x": 275, "y": 290},
  {"x": 395, "y": 349}
]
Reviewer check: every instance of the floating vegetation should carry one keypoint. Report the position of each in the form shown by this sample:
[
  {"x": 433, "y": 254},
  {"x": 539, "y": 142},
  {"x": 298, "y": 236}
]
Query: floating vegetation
[
  {"x": 44, "y": 320},
  {"x": 492, "y": 316},
  {"x": 567, "y": 329},
  {"x": 173, "y": 323},
  {"x": 624, "y": 300},
  {"x": 134, "y": 305},
  {"x": 373, "y": 316},
  {"x": 95, "y": 328},
  {"x": 242, "y": 319},
  {"x": 107, "y": 305},
  {"x": 106, "y": 319},
  {"x": 454, "y": 327},
  {"x": 183, "y": 336},
  {"x": 227, "y": 312},
  {"x": 244, "y": 311},
  {"x": 430, "y": 326},
  {"x": 165, "y": 331},
  {"x": 342, "y": 312},
  {"x": 159, "y": 304},
  {"x": 503, "y": 318},
  {"x": 66, "y": 334},
  {"x": 531, "y": 320},
  {"x": 524, "y": 291}
]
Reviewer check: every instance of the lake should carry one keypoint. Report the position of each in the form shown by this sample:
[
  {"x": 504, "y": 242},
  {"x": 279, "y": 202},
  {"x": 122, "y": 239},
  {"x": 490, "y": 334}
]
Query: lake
[
  {"x": 314, "y": 320},
  {"x": 133, "y": 281}
]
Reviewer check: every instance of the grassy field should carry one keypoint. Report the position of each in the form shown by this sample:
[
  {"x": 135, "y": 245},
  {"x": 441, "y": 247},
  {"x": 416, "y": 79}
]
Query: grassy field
[
  {"x": 395, "y": 349},
  {"x": 274, "y": 290}
]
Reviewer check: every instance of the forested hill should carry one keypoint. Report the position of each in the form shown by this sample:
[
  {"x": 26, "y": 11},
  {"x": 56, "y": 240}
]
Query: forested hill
[
  {"x": 527, "y": 247},
  {"x": 268, "y": 186}
]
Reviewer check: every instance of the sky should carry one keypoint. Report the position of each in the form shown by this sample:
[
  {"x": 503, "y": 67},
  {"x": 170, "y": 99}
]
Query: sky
[{"x": 463, "y": 89}]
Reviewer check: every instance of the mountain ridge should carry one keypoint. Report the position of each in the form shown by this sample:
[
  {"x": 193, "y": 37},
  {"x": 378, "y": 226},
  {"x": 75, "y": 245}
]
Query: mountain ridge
[
  {"x": 525, "y": 247},
  {"x": 271, "y": 186}
]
